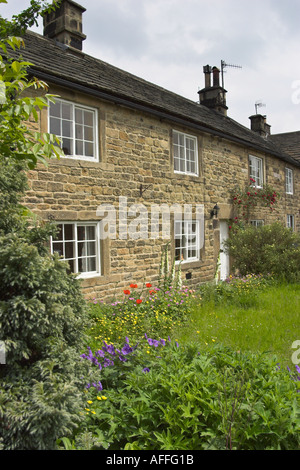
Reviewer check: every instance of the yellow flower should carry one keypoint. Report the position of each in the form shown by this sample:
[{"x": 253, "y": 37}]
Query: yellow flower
[
  {"x": 89, "y": 402},
  {"x": 104, "y": 398}
]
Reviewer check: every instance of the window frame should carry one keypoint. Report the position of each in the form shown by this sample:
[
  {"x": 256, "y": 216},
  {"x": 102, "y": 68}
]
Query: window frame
[
  {"x": 290, "y": 221},
  {"x": 257, "y": 222},
  {"x": 289, "y": 181},
  {"x": 260, "y": 167},
  {"x": 76, "y": 241},
  {"x": 186, "y": 223},
  {"x": 196, "y": 153},
  {"x": 74, "y": 107}
]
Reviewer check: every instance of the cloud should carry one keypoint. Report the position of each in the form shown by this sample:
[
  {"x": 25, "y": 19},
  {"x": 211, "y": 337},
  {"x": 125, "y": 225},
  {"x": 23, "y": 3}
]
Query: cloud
[{"x": 169, "y": 41}]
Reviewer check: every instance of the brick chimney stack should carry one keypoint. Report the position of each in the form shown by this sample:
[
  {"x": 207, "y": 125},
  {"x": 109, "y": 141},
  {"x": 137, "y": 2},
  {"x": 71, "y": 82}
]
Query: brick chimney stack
[
  {"x": 213, "y": 96},
  {"x": 259, "y": 125},
  {"x": 65, "y": 24}
]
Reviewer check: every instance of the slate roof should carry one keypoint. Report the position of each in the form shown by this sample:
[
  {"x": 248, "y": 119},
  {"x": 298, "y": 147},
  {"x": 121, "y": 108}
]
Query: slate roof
[
  {"x": 288, "y": 142},
  {"x": 55, "y": 63}
]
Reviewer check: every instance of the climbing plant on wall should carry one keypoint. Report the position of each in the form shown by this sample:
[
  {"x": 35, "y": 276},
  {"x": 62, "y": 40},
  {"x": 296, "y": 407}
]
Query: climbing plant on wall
[{"x": 245, "y": 199}]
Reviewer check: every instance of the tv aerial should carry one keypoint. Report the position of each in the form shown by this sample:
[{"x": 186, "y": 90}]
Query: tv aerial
[
  {"x": 223, "y": 66},
  {"x": 259, "y": 104}
]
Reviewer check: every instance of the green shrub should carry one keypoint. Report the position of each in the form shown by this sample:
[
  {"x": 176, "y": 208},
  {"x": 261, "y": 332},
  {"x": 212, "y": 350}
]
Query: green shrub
[
  {"x": 42, "y": 319},
  {"x": 180, "y": 398},
  {"x": 270, "y": 249}
]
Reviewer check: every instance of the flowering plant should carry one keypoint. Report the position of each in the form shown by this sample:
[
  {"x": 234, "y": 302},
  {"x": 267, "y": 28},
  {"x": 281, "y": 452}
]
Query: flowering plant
[{"x": 245, "y": 200}]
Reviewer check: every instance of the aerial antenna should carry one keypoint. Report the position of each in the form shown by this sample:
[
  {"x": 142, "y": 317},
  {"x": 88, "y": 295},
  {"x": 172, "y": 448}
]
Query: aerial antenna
[
  {"x": 223, "y": 65},
  {"x": 259, "y": 104}
]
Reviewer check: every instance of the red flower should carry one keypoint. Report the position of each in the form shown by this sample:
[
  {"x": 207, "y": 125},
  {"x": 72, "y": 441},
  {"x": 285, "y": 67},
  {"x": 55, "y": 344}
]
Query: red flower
[
  {"x": 126, "y": 292},
  {"x": 139, "y": 301},
  {"x": 148, "y": 284},
  {"x": 133, "y": 286},
  {"x": 152, "y": 291}
]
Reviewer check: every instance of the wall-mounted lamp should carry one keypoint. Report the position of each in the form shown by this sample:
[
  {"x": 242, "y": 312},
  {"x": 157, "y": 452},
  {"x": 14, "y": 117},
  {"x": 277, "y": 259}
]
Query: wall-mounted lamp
[{"x": 214, "y": 212}]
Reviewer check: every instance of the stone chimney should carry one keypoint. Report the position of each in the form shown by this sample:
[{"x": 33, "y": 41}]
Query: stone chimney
[
  {"x": 259, "y": 125},
  {"x": 65, "y": 24},
  {"x": 213, "y": 96}
]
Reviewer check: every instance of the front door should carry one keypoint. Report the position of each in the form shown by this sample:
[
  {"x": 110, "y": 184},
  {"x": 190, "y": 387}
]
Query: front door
[{"x": 224, "y": 257}]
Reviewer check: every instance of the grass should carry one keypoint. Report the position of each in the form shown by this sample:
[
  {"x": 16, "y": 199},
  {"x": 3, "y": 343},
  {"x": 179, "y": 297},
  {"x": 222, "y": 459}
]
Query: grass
[
  {"x": 153, "y": 346},
  {"x": 251, "y": 314},
  {"x": 256, "y": 320}
]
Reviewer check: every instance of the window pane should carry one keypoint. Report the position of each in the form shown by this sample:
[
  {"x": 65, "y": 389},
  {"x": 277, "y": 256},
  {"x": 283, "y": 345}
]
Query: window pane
[
  {"x": 69, "y": 234},
  {"x": 81, "y": 232},
  {"x": 72, "y": 265},
  {"x": 88, "y": 133},
  {"x": 59, "y": 233},
  {"x": 79, "y": 147},
  {"x": 91, "y": 232},
  {"x": 55, "y": 126},
  {"x": 67, "y": 129},
  {"x": 66, "y": 111},
  {"x": 89, "y": 149},
  {"x": 78, "y": 116},
  {"x": 91, "y": 264},
  {"x": 67, "y": 146},
  {"x": 91, "y": 249},
  {"x": 82, "y": 268},
  {"x": 69, "y": 250},
  {"x": 58, "y": 248},
  {"x": 87, "y": 264},
  {"x": 88, "y": 118},
  {"x": 82, "y": 249},
  {"x": 55, "y": 109},
  {"x": 79, "y": 131}
]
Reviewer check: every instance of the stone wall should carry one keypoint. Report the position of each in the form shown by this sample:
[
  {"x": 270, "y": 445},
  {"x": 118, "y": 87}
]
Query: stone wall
[{"x": 135, "y": 162}]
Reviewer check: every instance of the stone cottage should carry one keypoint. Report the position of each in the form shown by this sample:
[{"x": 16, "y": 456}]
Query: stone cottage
[{"x": 144, "y": 167}]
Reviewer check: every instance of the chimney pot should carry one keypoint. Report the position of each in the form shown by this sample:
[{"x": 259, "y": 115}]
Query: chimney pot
[
  {"x": 216, "y": 76},
  {"x": 207, "y": 75}
]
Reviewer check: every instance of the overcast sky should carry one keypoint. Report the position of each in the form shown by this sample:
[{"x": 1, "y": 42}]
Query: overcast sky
[{"x": 167, "y": 42}]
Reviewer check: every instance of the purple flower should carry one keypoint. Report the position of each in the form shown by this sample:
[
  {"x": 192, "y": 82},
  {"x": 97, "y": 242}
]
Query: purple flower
[
  {"x": 98, "y": 386},
  {"x": 146, "y": 369},
  {"x": 111, "y": 349},
  {"x": 100, "y": 353},
  {"x": 126, "y": 349}
]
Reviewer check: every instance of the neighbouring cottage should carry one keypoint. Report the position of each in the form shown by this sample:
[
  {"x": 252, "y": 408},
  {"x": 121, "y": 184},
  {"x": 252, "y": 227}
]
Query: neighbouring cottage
[{"x": 135, "y": 153}]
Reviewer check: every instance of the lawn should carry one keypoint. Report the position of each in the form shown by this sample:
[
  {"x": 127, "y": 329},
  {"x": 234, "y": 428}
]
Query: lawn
[
  {"x": 179, "y": 369},
  {"x": 256, "y": 319}
]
